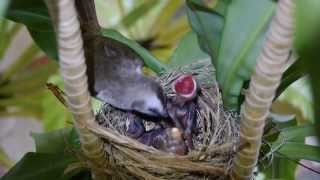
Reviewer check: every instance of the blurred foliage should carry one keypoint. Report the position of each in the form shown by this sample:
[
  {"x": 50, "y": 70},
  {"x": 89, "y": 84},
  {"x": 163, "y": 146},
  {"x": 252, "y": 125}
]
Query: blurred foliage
[
  {"x": 209, "y": 32},
  {"x": 58, "y": 141},
  {"x": 290, "y": 142},
  {"x": 299, "y": 96},
  {"x": 59, "y": 148},
  {"x": 282, "y": 154},
  {"x": 4, "y": 160},
  {"x": 157, "y": 28},
  {"x": 40, "y": 27},
  {"x": 132, "y": 22},
  {"x": 3, "y": 7},
  {"x": 280, "y": 168},
  {"x": 34, "y": 15},
  {"x": 307, "y": 45},
  {"x": 22, "y": 83},
  {"x": 237, "y": 44},
  {"x": 183, "y": 54},
  {"x": 241, "y": 37},
  {"x": 292, "y": 74},
  {"x": 19, "y": 88},
  {"x": 22, "y": 87},
  {"x": 8, "y": 31},
  {"x": 137, "y": 13},
  {"x": 35, "y": 166}
]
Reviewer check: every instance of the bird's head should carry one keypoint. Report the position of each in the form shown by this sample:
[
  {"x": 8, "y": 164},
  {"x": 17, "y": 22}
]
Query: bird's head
[{"x": 151, "y": 101}]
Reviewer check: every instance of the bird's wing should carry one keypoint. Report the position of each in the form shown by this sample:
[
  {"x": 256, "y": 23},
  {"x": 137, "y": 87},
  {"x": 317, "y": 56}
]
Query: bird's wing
[{"x": 127, "y": 60}]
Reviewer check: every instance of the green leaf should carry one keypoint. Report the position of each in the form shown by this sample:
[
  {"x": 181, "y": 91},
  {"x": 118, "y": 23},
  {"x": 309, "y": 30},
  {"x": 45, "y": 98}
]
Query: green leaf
[
  {"x": 4, "y": 26},
  {"x": 222, "y": 6},
  {"x": 188, "y": 51},
  {"x": 219, "y": 7},
  {"x": 292, "y": 74},
  {"x": 307, "y": 44},
  {"x": 40, "y": 166},
  {"x": 208, "y": 27},
  {"x": 289, "y": 148},
  {"x": 198, "y": 5},
  {"x": 34, "y": 14},
  {"x": 24, "y": 91},
  {"x": 55, "y": 117},
  {"x": 298, "y": 96},
  {"x": 299, "y": 151},
  {"x": 25, "y": 58},
  {"x": 160, "y": 24},
  {"x": 41, "y": 66},
  {"x": 82, "y": 175},
  {"x": 56, "y": 141},
  {"x": 298, "y": 133},
  {"x": 3, "y": 8},
  {"x": 28, "y": 81},
  {"x": 171, "y": 34},
  {"x": 149, "y": 60},
  {"x": 291, "y": 121},
  {"x": 7, "y": 34},
  {"x": 243, "y": 34},
  {"x": 295, "y": 134},
  {"x": 46, "y": 40},
  {"x": 280, "y": 168},
  {"x": 142, "y": 10},
  {"x": 24, "y": 88},
  {"x": 30, "y": 102}
]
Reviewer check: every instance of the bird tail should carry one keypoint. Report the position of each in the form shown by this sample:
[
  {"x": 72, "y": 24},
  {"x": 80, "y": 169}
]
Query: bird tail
[{"x": 87, "y": 16}]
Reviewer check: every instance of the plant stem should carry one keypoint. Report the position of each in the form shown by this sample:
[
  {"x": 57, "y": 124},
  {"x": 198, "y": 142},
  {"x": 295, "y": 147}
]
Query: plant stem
[
  {"x": 73, "y": 71},
  {"x": 264, "y": 82}
]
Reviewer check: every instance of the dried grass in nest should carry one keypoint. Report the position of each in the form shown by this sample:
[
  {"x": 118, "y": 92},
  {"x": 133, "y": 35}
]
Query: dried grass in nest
[{"x": 215, "y": 144}]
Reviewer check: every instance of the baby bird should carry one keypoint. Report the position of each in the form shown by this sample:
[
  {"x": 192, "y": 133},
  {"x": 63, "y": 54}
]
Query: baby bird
[
  {"x": 182, "y": 108},
  {"x": 165, "y": 139},
  {"x": 135, "y": 127}
]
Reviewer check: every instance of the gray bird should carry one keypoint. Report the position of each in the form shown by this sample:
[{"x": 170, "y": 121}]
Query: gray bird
[
  {"x": 115, "y": 71},
  {"x": 119, "y": 80}
]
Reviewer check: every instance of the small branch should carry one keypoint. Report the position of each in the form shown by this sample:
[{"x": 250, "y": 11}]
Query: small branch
[{"x": 57, "y": 92}]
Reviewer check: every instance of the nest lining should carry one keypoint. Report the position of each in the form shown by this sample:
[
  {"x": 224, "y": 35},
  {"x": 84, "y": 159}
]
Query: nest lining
[{"x": 215, "y": 142}]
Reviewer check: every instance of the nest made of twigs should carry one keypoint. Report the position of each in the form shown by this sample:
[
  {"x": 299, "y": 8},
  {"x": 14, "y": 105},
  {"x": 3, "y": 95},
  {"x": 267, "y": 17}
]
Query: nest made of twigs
[{"x": 215, "y": 143}]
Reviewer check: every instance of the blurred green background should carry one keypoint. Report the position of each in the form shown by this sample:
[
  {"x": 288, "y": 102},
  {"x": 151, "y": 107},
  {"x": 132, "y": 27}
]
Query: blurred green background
[{"x": 171, "y": 31}]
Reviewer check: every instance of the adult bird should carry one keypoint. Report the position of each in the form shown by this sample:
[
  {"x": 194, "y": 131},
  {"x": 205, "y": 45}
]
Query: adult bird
[{"x": 115, "y": 71}]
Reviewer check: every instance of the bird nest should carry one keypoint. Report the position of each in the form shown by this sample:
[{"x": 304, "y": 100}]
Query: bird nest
[{"x": 215, "y": 142}]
